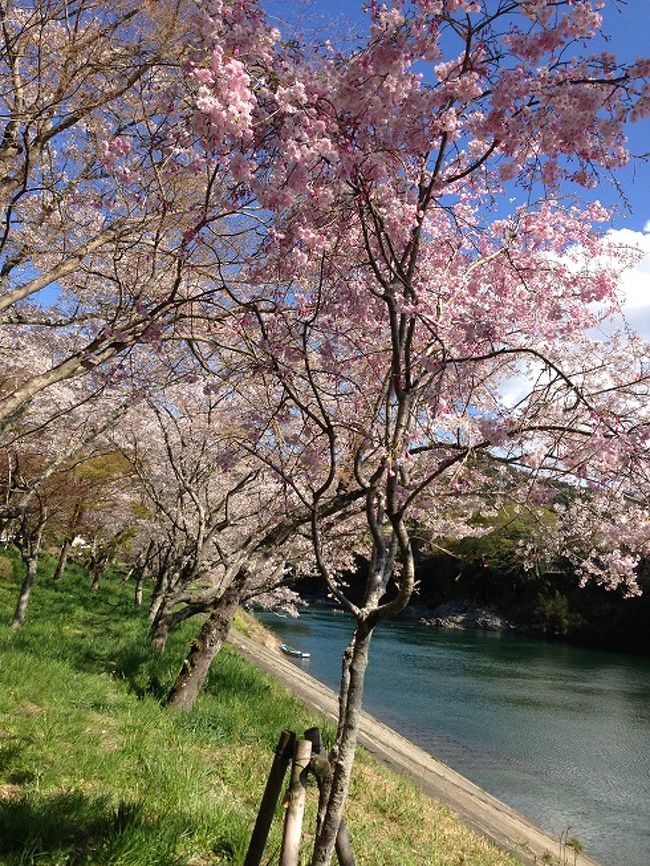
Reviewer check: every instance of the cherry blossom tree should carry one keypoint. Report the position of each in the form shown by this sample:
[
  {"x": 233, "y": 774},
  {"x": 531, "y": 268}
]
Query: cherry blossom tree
[
  {"x": 58, "y": 460},
  {"x": 399, "y": 297},
  {"x": 350, "y": 291},
  {"x": 117, "y": 229},
  {"x": 200, "y": 493},
  {"x": 225, "y": 524},
  {"x": 44, "y": 488}
]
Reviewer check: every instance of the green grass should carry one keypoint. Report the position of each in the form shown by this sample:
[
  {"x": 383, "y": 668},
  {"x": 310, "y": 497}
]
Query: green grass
[{"x": 94, "y": 771}]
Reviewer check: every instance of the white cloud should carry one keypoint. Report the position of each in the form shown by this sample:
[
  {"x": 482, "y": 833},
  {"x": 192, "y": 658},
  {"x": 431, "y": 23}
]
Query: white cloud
[
  {"x": 635, "y": 282},
  {"x": 635, "y": 297}
]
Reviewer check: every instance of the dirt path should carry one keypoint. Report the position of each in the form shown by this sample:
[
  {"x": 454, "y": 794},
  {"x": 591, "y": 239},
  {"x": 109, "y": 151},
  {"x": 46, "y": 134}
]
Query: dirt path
[{"x": 476, "y": 807}]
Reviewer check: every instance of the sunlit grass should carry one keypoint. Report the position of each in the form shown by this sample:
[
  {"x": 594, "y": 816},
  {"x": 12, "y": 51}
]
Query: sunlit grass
[{"x": 94, "y": 771}]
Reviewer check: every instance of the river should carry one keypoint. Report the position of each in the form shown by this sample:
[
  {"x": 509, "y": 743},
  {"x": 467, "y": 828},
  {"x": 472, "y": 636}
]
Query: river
[{"x": 560, "y": 733}]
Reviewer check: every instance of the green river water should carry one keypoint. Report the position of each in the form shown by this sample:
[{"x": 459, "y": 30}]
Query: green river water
[{"x": 560, "y": 733}]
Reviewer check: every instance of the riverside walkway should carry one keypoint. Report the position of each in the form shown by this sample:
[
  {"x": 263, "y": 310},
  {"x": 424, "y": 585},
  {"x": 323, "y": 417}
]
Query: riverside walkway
[{"x": 478, "y": 809}]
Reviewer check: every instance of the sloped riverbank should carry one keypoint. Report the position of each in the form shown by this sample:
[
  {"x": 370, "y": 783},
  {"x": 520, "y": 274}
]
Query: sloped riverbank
[
  {"x": 476, "y": 807},
  {"x": 557, "y": 732}
]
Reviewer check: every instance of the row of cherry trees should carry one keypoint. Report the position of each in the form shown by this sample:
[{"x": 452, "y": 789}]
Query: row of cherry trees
[{"x": 265, "y": 304}]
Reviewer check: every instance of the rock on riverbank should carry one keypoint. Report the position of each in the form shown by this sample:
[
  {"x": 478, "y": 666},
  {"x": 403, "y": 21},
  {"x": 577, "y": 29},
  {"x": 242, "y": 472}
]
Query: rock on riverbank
[{"x": 462, "y": 615}]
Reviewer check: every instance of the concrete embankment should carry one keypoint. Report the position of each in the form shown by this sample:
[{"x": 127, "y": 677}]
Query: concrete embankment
[{"x": 476, "y": 807}]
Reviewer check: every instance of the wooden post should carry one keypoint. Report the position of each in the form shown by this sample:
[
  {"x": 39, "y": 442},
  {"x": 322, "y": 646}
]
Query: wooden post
[
  {"x": 296, "y": 795},
  {"x": 270, "y": 798},
  {"x": 320, "y": 767}
]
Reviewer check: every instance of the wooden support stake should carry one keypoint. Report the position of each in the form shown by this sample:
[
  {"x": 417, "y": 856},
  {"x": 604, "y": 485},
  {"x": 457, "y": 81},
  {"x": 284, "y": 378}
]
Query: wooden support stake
[
  {"x": 320, "y": 767},
  {"x": 296, "y": 795},
  {"x": 270, "y": 798}
]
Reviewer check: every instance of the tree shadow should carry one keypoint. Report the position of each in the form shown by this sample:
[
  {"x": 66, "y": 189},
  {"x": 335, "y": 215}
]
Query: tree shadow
[
  {"x": 10, "y": 753},
  {"x": 101, "y": 632},
  {"x": 85, "y": 830},
  {"x": 143, "y": 670}
]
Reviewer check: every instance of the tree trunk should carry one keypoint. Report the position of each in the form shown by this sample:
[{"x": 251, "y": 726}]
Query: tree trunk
[
  {"x": 63, "y": 558},
  {"x": 163, "y": 582},
  {"x": 30, "y": 550},
  {"x": 159, "y": 631},
  {"x": 354, "y": 670},
  {"x": 99, "y": 569},
  {"x": 140, "y": 569},
  {"x": 156, "y": 600},
  {"x": 206, "y": 647},
  {"x": 25, "y": 591},
  {"x": 168, "y": 619},
  {"x": 320, "y": 767},
  {"x": 139, "y": 583}
]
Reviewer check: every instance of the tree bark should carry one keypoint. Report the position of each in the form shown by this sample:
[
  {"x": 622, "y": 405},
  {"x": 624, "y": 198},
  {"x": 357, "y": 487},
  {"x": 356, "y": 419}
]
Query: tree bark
[
  {"x": 354, "y": 670},
  {"x": 163, "y": 583},
  {"x": 30, "y": 550},
  {"x": 141, "y": 569},
  {"x": 99, "y": 568},
  {"x": 160, "y": 627},
  {"x": 206, "y": 647},
  {"x": 25, "y": 591},
  {"x": 322, "y": 770},
  {"x": 139, "y": 583},
  {"x": 63, "y": 558},
  {"x": 156, "y": 600}
]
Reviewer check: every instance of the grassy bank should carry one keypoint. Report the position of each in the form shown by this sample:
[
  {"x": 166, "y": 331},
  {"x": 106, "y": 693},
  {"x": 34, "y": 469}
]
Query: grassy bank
[{"x": 94, "y": 771}]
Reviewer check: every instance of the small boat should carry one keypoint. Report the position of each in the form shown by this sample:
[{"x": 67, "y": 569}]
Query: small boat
[{"x": 292, "y": 651}]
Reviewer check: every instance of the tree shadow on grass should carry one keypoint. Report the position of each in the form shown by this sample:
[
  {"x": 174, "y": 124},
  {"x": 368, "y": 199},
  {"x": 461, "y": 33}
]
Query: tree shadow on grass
[
  {"x": 144, "y": 670},
  {"x": 11, "y": 773},
  {"x": 80, "y": 830},
  {"x": 9, "y": 752}
]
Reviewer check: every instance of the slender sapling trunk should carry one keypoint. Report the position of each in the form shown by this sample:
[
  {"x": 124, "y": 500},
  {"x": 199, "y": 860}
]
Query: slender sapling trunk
[
  {"x": 354, "y": 669},
  {"x": 63, "y": 559},
  {"x": 25, "y": 592},
  {"x": 30, "y": 550}
]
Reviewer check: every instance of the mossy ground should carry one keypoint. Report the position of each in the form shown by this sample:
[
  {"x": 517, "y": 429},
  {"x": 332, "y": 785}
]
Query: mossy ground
[{"x": 95, "y": 771}]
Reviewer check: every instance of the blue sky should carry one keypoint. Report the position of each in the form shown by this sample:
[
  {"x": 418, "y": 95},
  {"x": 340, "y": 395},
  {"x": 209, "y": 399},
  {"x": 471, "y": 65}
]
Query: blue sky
[{"x": 626, "y": 23}]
